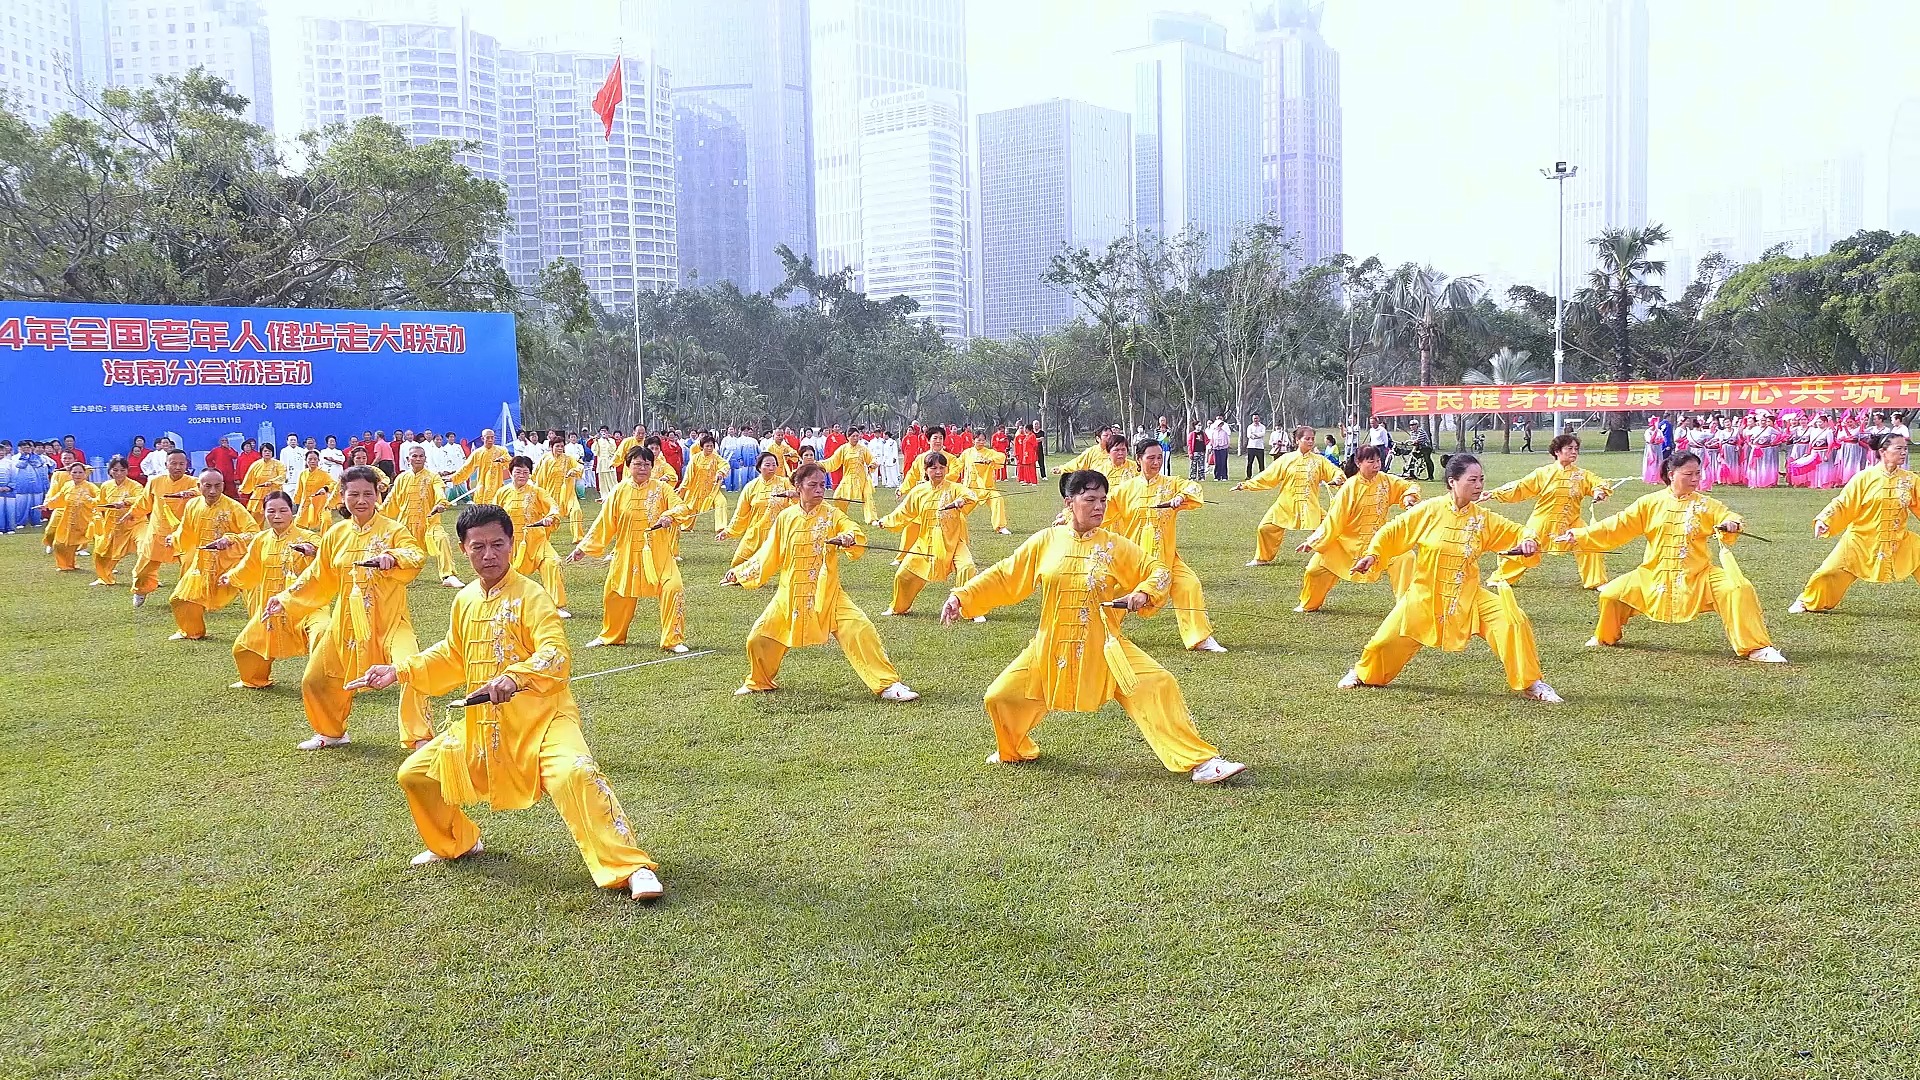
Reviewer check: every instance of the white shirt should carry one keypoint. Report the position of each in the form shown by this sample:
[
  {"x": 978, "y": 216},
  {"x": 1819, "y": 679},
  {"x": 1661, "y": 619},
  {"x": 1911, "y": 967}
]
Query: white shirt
[
  {"x": 1256, "y": 433},
  {"x": 1379, "y": 436},
  {"x": 445, "y": 458},
  {"x": 154, "y": 463},
  {"x": 406, "y": 448},
  {"x": 332, "y": 460},
  {"x": 1900, "y": 429}
]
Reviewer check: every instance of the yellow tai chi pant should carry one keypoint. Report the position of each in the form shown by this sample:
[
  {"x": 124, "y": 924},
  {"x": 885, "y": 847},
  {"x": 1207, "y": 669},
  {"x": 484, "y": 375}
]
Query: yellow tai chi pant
[
  {"x": 1825, "y": 588},
  {"x": 104, "y": 564},
  {"x": 328, "y": 702},
  {"x": 255, "y": 670},
  {"x": 191, "y": 618},
  {"x": 1738, "y": 605},
  {"x": 907, "y": 584},
  {"x": 567, "y": 770},
  {"x": 1319, "y": 579},
  {"x": 1592, "y": 564},
  {"x": 619, "y": 611},
  {"x": 1155, "y": 705},
  {"x": 1507, "y": 630},
  {"x": 1189, "y": 604},
  {"x": 552, "y": 580},
  {"x": 859, "y": 642},
  {"x": 1268, "y": 542},
  {"x": 997, "y": 506},
  {"x": 146, "y": 575},
  {"x": 64, "y": 557}
]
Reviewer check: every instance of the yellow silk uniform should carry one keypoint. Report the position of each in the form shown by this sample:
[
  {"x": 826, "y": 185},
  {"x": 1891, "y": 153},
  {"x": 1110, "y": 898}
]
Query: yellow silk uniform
[
  {"x": 1133, "y": 511},
  {"x": 484, "y": 470},
  {"x": 56, "y": 514},
  {"x": 1093, "y": 457},
  {"x": 753, "y": 513},
  {"x": 1557, "y": 493},
  {"x": 263, "y": 476},
  {"x": 606, "y": 454},
  {"x": 980, "y": 469},
  {"x": 508, "y": 755},
  {"x": 313, "y": 496},
  {"x": 1078, "y": 660},
  {"x": 72, "y": 520},
  {"x": 916, "y": 473},
  {"x": 1870, "y": 514},
  {"x": 110, "y": 540},
  {"x": 854, "y": 463},
  {"x": 940, "y": 547},
  {"x": 789, "y": 457},
  {"x": 1358, "y": 512},
  {"x": 268, "y": 566},
  {"x": 1298, "y": 477},
  {"x": 1677, "y": 580},
  {"x": 1443, "y": 604},
  {"x": 702, "y": 488},
  {"x": 199, "y": 590},
  {"x": 413, "y": 501},
  {"x": 556, "y": 475},
  {"x": 808, "y": 606},
  {"x": 369, "y": 623},
  {"x": 1116, "y": 474},
  {"x": 160, "y": 505},
  {"x": 533, "y": 553},
  {"x": 643, "y": 563}
]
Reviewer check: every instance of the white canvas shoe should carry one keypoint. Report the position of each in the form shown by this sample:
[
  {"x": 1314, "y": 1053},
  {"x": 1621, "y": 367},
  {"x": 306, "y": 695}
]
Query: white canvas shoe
[
  {"x": 744, "y": 691},
  {"x": 564, "y": 613},
  {"x": 1351, "y": 680},
  {"x": 428, "y": 858},
  {"x": 597, "y": 643},
  {"x": 979, "y": 618},
  {"x": 1004, "y": 532},
  {"x": 1300, "y": 609},
  {"x": 49, "y": 550},
  {"x": 899, "y": 692},
  {"x": 1255, "y": 562},
  {"x": 1209, "y": 645},
  {"x": 678, "y": 650},
  {"x": 451, "y": 582},
  {"x": 139, "y": 599},
  {"x": 1540, "y": 691},
  {"x": 1796, "y": 608},
  {"x": 994, "y": 759},
  {"x": 1214, "y": 770},
  {"x": 177, "y": 635},
  {"x": 1593, "y": 643},
  {"x": 1768, "y": 655},
  {"x": 82, "y": 553},
  {"x": 322, "y": 742},
  {"x": 645, "y": 885}
]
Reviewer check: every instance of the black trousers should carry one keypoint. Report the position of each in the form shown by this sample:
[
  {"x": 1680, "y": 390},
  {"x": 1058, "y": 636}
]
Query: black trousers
[
  {"x": 1220, "y": 463},
  {"x": 1256, "y": 461}
]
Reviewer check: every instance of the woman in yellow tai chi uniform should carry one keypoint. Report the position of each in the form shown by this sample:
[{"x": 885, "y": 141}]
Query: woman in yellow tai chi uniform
[
  {"x": 1297, "y": 505},
  {"x": 1875, "y": 543},
  {"x": 313, "y": 491},
  {"x": 636, "y": 530},
  {"x": 1557, "y": 489},
  {"x": 557, "y": 474},
  {"x": 936, "y": 513},
  {"x": 1677, "y": 580},
  {"x": 1145, "y": 509},
  {"x": 802, "y": 554},
  {"x": 533, "y": 518},
  {"x": 506, "y": 640},
  {"x": 1362, "y": 507},
  {"x": 213, "y": 534},
  {"x": 73, "y": 506},
  {"x": 160, "y": 506},
  {"x": 980, "y": 466},
  {"x": 362, "y": 570},
  {"x": 263, "y": 476},
  {"x": 1443, "y": 604},
  {"x": 854, "y": 462},
  {"x": 704, "y": 486},
  {"x": 415, "y": 501},
  {"x": 762, "y": 500},
  {"x": 1078, "y": 660},
  {"x": 275, "y": 557},
  {"x": 114, "y": 536}
]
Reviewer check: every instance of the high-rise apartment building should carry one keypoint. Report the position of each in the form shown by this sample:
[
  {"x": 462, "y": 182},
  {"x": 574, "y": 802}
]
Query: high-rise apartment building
[
  {"x": 742, "y": 132},
  {"x": 37, "y": 58},
  {"x": 146, "y": 39},
  {"x": 1903, "y": 168},
  {"x": 864, "y": 52},
  {"x": 1603, "y": 121},
  {"x": 1301, "y": 149},
  {"x": 914, "y": 236},
  {"x": 1825, "y": 198},
  {"x": 432, "y": 81},
  {"x": 1196, "y": 133},
  {"x": 1053, "y": 175}
]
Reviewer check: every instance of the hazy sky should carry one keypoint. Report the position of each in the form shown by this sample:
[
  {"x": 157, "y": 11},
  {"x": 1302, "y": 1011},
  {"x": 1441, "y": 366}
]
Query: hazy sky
[{"x": 1450, "y": 105}]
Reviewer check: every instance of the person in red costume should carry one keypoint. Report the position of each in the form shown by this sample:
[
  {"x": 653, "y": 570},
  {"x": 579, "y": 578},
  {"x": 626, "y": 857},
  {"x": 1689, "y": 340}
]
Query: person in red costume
[
  {"x": 835, "y": 440},
  {"x": 1026, "y": 455},
  {"x": 913, "y": 444},
  {"x": 225, "y": 460},
  {"x": 1003, "y": 444}
]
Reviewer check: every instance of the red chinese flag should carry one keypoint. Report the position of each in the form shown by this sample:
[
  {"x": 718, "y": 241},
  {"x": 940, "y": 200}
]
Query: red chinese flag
[{"x": 612, "y": 92}]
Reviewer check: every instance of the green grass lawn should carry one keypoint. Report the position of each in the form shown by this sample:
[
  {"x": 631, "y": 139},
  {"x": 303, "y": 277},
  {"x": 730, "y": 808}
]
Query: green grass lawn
[{"x": 1696, "y": 867}]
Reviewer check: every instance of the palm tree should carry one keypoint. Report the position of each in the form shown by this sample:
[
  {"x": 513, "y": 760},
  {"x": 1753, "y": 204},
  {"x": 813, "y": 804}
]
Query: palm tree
[
  {"x": 1421, "y": 304},
  {"x": 1505, "y": 368},
  {"x": 1615, "y": 288}
]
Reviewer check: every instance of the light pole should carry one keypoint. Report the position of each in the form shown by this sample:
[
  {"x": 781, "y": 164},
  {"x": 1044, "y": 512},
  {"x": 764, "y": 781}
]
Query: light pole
[{"x": 1559, "y": 174}]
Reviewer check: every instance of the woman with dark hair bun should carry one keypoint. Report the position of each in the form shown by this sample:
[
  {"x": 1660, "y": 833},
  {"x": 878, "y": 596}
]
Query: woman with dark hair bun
[
  {"x": 934, "y": 515},
  {"x": 1677, "y": 580},
  {"x": 1558, "y": 489},
  {"x": 276, "y": 557},
  {"x": 1871, "y": 516},
  {"x": 1443, "y": 605}
]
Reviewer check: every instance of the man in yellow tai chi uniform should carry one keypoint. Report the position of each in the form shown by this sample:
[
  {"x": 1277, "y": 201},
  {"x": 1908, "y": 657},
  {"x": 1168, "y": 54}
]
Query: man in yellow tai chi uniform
[
  {"x": 1362, "y": 507},
  {"x": 160, "y": 506},
  {"x": 1298, "y": 477},
  {"x": 505, "y": 640},
  {"x": 1078, "y": 660},
  {"x": 485, "y": 469},
  {"x": 1145, "y": 509},
  {"x": 1875, "y": 543},
  {"x": 213, "y": 535},
  {"x": 935, "y": 513},
  {"x": 415, "y": 501},
  {"x": 802, "y": 552},
  {"x": 1557, "y": 489},
  {"x": 275, "y": 558},
  {"x": 635, "y": 529},
  {"x": 533, "y": 517}
]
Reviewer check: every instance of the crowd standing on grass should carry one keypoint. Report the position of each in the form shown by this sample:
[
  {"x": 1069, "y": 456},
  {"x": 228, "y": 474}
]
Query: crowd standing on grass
[{"x": 323, "y": 542}]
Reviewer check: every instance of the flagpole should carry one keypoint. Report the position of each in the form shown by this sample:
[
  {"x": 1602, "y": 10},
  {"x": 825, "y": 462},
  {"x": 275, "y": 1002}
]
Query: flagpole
[{"x": 633, "y": 245}]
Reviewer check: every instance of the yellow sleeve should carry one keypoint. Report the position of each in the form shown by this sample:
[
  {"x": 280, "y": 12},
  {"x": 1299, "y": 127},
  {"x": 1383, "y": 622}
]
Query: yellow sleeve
[
  {"x": 1269, "y": 477},
  {"x": 1527, "y": 487},
  {"x": 1192, "y": 498},
  {"x": 1612, "y": 532},
  {"x": 186, "y": 535},
  {"x": 601, "y": 536},
  {"x": 545, "y": 670},
  {"x": 1329, "y": 473},
  {"x": 912, "y": 510},
  {"x": 1845, "y": 508},
  {"x": 1150, "y": 575},
  {"x": 318, "y": 584},
  {"x": 1121, "y": 503},
  {"x": 766, "y": 563},
  {"x": 250, "y": 571},
  {"x": 1503, "y": 534},
  {"x": 468, "y": 466},
  {"x": 678, "y": 509},
  {"x": 1597, "y": 482},
  {"x": 1718, "y": 514},
  {"x": 845, "y": 525},
  {"x": 1399, "y": 488},
  {"x": 965, "y": 496},
  {"x": 743, "y": 509},
  {"x": 1398, "y": 536},
  {"x": 407, "y": 559},
  {"x": 1008, "y": 581}
]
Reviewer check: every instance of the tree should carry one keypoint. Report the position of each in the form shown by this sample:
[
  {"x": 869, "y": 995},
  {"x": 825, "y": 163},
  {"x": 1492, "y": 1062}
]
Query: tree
[
  {"x": 1422, "y": 305},
  {"x": 1506, "y": 368},
  {"x": 1618, "y": 287},
  {"x": 1104, "y": 287}
]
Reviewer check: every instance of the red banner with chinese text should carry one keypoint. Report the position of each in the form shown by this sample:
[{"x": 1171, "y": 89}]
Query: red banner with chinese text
[{"x": 1893, "y": 392}]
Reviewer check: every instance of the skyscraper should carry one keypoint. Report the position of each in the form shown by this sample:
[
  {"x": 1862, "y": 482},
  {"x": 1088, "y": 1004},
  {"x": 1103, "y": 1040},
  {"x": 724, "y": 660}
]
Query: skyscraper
[
  {"x": 742, "y": 133},
  {"x": 865, "y": 51},
  {"x": 1054, "y": 174},
  {"x": 1301, "y": 150},
  {"x": 1825, "y": 198},
  {"x": 1603, "y": 121},
  {"x": 432, "y": 81},
  {"x": 914, "y": 236},
  {"x": 1196, "y": 132},
  {"x": 1903, "y": 168},
  {"x": 37, "y": 59}
]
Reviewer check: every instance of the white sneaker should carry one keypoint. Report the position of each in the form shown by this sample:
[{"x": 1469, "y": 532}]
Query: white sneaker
[
  {"x": 451, "y": 582},
  {"x": 890, "y": 611},
  {"x": 1209, "y": 645},
  {"x": 564, "y": 613},
  {"x": 1540, "y": 691},
  {"x": 899, "y": 692},
  {"x": 1768, "y": 655},
  {"x": 1594, "y": 643},
  {"x": 677, "y": 649},
  {"x": 49, "y": 549},
  {"x": 82, "y": 553},
  {"x": 96, "y": 583},
  {"x": 994, "y": 759},
  {"x": 744, "y": 691},
  {"x": 1300, "y": 609},
  {"x": 1004, "y": 532},
  {"x": 428, "y": 858},
  {"x": 1255, "y": 562},
  {"x": 177, "y": 635},
  {"x": 979, "y": 618},
  {"x": 139, "y": 599},
  {"x": 1214, "y": 770},
  {"x": 323, "y": 742},
  {"x": 645, "y": 885},
  {"x": 1796, "y": 608},
  {"x": 596, "y": 643},
  {"x": 1351, "y": 680}
]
